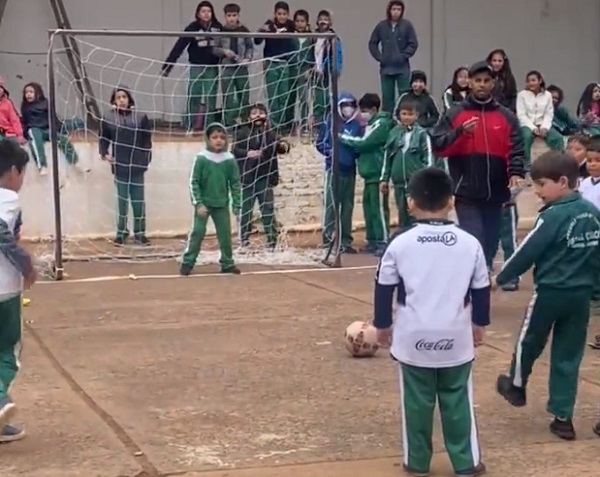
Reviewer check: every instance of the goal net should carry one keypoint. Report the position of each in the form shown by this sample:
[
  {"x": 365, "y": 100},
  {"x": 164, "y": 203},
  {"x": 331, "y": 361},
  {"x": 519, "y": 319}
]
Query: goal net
[{"x": 128, "y": 196}]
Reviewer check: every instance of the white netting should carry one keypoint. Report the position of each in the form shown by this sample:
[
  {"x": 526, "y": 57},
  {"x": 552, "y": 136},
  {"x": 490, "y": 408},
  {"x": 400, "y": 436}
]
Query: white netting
[{"x": 90, "y": 193}]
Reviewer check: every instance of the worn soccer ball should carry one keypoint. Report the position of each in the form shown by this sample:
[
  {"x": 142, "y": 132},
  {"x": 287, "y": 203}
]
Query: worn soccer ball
[
  {"x": 282, "y": 147},
  {"x": 360, "y": 339}
]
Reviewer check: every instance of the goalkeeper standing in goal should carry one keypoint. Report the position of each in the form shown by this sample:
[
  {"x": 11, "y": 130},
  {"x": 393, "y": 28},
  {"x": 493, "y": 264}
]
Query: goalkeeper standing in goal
[
  {"x": 214, "y": 178},
  {"x": 129, "y": 134},
  {"x": 279, "y": 57}
]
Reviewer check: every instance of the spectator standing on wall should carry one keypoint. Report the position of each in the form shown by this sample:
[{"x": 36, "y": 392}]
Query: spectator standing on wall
[
  {"x": 204, "y": 56},
  {"x": 393, "y": 42},
  {"x": 484, "y": 146},
  {"x": 505, "y": 85}
]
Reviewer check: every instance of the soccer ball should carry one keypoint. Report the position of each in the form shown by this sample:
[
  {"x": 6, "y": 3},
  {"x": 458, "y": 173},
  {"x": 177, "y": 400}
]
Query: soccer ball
[{"x": 360, "y": 339}]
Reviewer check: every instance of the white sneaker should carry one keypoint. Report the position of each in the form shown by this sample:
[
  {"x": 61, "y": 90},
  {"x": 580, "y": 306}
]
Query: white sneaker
[{"x": 43, "y": 171}]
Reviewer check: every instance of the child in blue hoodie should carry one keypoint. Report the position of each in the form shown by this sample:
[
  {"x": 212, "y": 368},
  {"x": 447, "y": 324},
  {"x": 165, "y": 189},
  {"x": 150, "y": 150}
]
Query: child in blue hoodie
[{"x": 346, "y": 176}]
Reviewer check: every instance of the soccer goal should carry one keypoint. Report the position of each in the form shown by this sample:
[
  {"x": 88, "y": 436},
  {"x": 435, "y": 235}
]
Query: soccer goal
[{"x": 128, "y": 197}]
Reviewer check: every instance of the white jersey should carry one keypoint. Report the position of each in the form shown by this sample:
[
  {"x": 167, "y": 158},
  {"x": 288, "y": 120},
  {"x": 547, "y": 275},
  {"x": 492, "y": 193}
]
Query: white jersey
[
  {"x": 434, "y": 264},
  {"x": 589, "y": 188},
  {"x": 11, "y": 281}
]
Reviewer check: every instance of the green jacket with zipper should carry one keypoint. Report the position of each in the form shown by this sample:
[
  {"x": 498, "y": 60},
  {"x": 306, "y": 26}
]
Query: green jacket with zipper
[
  {"x": 563, "y": 247},
  {"x": 407, "y": 150},
  {"x": 371, "y": 146}
]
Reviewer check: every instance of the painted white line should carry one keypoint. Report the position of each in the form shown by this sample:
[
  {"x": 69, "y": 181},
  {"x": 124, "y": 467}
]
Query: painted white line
[{"x": 205, "y": 275}]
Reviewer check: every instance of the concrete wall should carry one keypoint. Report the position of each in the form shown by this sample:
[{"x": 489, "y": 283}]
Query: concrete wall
[{"x": 557, "y": 37}]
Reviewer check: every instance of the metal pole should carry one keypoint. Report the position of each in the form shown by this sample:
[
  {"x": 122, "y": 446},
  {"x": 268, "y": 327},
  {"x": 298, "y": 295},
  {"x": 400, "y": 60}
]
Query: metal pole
[
  {"x": 335, "y": 163},
  {"x": 58, "y": 249},
  {"x": 212, "y": 34}
]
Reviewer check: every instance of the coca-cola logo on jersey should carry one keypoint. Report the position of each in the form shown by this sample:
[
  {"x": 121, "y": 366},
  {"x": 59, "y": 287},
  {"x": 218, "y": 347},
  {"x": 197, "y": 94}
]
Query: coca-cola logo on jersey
[{"x": 445, "y": 344}]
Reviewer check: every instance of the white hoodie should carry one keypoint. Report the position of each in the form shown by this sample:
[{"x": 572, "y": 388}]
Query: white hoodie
[{"x": 535, "y": 110}]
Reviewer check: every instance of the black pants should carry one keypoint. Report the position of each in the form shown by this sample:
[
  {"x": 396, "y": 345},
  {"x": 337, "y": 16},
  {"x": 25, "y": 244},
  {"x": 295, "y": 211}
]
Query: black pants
[{"x": 482, "y": 221}]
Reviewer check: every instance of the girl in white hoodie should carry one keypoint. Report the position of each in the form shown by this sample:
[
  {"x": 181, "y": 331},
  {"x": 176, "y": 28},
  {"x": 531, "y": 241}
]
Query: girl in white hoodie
[{"x": 535, "y": 111}]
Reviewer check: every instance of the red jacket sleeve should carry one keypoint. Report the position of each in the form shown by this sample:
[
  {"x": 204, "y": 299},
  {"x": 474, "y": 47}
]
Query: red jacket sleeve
[
  {"x": 15, "y": 122},
  {"x": 446, "y": 139}
]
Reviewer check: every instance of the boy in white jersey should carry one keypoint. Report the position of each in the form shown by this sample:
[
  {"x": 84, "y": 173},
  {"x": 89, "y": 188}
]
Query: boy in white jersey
[
  {"x": 443, "y": 303},
  {"x": 16, "y": 272}
]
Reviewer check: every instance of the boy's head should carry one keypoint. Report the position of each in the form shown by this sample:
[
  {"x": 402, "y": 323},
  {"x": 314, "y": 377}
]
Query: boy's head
[
  {"x": 121, "y": 99},
  {"x": 395, "y": 10},
  {"x": 593, "y": 157},
  {"x": 578, "y": 145},
  {"x": 205, "y": 12},
  {"x": 258, "y": 114},
  {"x": 216, "y": 138},
  {"x": 369, "y": 105},
  {"x": 324, "y": 20},
  {"x": 418, "y": 82},
  {"x": 430, "y": 194},
  {"x": 281, "y": 12},
  {"x": 232, "y": 14},
  {"x": 555, "y": 175},
  {"x": 407, "y": 112},
  {"x": 32, "y": 92},
  {"x": 302, "y": 20},
  {"x": 13, "y": 160},
  {"x": 347, "y": 106}
]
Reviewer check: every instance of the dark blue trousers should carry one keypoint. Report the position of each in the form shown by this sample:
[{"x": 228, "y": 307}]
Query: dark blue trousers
[{"x": 481, "y": 220}]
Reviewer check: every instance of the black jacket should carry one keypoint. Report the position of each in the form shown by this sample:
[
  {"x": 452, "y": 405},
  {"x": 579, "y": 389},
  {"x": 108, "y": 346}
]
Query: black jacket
[
  {"x": 250, "y": 137},
  {"x": 130, "y": 134},
  {"x": 201, "y": 50},
  {"x": 393, "y": 47},
  {"x": 480, "y": 162},
  {"x": 282, "y": 48},
  {"x": 35, "y": 115}
]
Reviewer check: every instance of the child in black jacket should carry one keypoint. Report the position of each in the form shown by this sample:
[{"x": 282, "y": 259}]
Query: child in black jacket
[{"x": 426, "y": 108}]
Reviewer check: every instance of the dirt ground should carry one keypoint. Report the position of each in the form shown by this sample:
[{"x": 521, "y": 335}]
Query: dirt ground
[{"x": 246, "y": 376}]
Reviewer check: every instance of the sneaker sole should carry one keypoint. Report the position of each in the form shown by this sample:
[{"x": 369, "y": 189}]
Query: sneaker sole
[
  {"x": 16, "y": 437},
  {"x": 7, "y": 413}
]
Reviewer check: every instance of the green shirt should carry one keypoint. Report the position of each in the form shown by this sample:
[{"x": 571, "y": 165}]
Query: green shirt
[
  {"x": 563, "y": 247},
  {"x": 408, "y": 150},
  {"x": 214, "y": 177}
]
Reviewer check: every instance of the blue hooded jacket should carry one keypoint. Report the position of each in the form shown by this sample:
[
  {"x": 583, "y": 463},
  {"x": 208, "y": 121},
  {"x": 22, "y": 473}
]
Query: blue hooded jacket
[{"x": 351, "y": 127}]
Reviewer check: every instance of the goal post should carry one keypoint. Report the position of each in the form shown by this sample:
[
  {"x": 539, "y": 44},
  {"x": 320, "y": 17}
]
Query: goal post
[{"x": 86, "y": 201}]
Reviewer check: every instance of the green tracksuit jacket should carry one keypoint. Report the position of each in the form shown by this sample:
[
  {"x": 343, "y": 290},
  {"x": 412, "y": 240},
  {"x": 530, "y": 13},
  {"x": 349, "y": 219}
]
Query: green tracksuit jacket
[
  {"x": 371, "y": 146},
  {"x": 406, "y": 152},
  {"x": 215, "y": 176},
  {"x": 563, "y": 122}
]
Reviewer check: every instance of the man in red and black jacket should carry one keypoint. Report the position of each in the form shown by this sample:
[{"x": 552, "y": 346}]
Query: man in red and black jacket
[{"x": 484, "y": 146}]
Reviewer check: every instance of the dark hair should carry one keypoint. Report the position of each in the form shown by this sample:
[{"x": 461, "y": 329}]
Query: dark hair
[
  {"x": 585, "y": 102},
  {"x": 324, "y": 13},
  {"x": 12, "y": 155},
  {"x": 131, "y": 102},
  {"x": 38, "y": 91},
  {"x": 258, "y": 106},
  {"x": 232, "y": 8},
  {"x": 553, "y": 165},
  {"x": 369, "y": 101},
  {"x": 206, "y": 3},
  {"x": 214, "y": 128},
  {"x": 594, "y": 144},
  {"x": 407, "y": 104},
  {"x": 394, "y": 3},
  {"x": 281, "y": 6},
  {"x": 430, "y": 189},
  {"x": 539, "y": 76},
  {"x": 302, "y": 13},
  {"x": 556, "y": 89},
  {"x": 505, "y": 75},
  {"x": 581, "y": 138},
  {"x": 454, "y": 88}
]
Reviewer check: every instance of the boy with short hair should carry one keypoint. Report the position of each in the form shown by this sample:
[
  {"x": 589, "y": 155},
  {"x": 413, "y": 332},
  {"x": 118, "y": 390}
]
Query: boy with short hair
[
  {"x": 235, "y": 83},
  {"x": 16, "y": 273},
  {"x": 436, "y": 327},
  {"x": 564, "y": 250},
  {"x": 407, "y": 151},
  {"x": 429, "y": 113},
  {"x": 278, "y": 52},
  {"x": 578, "y": 145},
  {"x": 214, "y": 178},
  {"x": 345, "y": 179},
  {"x": 370, "y": 147},
  {"x": 256, "y": 150}
]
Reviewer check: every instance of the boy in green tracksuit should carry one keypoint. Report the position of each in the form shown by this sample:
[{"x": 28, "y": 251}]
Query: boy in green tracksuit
[
  {"x": 562, "y": 121},
  {"x": 407, "y": 150},
  {"x": 370, "y": 147},
  {"x": 213, "y": 179},
  {"x": 564, "y": 250}
]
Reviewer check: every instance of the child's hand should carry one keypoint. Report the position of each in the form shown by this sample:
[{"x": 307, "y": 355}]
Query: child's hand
[
  {"x": 384, "y": 337},
  {"x": 29, "y": 279},
  {"x": 108, "y": 158},
  {"x": 470, "y": 124},
  {"x": 384, "y": 187},
  {"x": 478, "y": 335},
  {"x": 543, "y": 132},
  {"x": 493, "y": 283},
  {"x": 202, "y": 211},
  {"x": 253, "y": 154},
  {"x": 22, "y": 141}
]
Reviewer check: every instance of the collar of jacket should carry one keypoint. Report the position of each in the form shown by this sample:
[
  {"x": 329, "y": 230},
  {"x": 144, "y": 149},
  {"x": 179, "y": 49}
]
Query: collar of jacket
[
  {"x": 573, "y": 196},
  {"x": 489, "y": 106}
]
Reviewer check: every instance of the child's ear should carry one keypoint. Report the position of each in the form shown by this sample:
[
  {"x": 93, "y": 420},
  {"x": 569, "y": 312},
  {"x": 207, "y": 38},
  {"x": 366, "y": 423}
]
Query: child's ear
[
  {"x": 410, "y": 204},
  {"x": 450, "y": 205}
]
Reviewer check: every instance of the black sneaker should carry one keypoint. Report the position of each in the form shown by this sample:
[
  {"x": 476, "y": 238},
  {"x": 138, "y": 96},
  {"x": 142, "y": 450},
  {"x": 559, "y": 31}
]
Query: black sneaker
[
  {"x": 185, "y": 270},
  {"x": 596, "y": 429},
  {"x": 349, "y": 250},
  {"x": 413, "y": 472},
  {"x": 141, "y": 240},
  {"x": 231, "y": 270},
  {"x": 514, "y": 395},
  {"x": 476, "y": 471},
  {"x": 119, "y": 241},
  {"x": 510, "y": 287},
  {"x": 563, "y": 429}
]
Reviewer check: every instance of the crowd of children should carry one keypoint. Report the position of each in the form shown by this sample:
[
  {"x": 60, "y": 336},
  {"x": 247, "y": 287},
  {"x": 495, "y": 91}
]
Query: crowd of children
[{"x": 297, "y": 71}]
